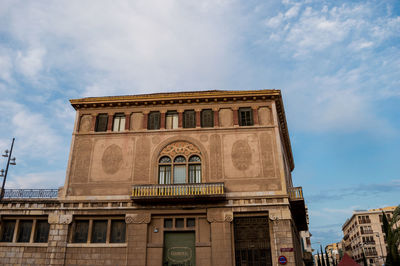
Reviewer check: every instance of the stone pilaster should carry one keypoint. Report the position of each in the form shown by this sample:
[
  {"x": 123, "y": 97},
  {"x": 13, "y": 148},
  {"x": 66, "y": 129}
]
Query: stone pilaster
[
  {"x": 136, "y": 225},
  {"x": 221, "y": 236},
  {"x": 57, "y": 243}
]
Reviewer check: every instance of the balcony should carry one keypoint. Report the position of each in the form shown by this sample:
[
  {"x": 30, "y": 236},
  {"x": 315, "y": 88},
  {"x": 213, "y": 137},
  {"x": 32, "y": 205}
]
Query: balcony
[
  {"x": 298, "y": 208},
  {"x": 179, "y": 192}
]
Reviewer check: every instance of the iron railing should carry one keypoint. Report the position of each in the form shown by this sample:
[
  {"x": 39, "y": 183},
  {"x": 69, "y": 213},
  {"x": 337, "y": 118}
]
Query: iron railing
[
  {"x": 30, "y": 193},
  {"x": 296, "y": 193},
  {"x": 178, "y": 190}
]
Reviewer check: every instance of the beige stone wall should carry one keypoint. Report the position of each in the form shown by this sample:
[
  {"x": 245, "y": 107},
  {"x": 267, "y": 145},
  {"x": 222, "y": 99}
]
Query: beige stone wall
[
  {"x": 96, "y": 256},
  {"x": 22, "y": 255}
]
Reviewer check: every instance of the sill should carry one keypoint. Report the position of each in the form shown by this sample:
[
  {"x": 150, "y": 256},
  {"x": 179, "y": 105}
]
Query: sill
[
  {"x": 96, "y": 245},
  {"x": 23, "y": 244}
]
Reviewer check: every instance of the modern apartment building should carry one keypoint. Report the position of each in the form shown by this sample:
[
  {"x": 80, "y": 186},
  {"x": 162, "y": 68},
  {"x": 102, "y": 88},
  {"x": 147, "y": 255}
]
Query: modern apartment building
[
  {"x": 363, "y": 233},
  {"x": 191, "y": 178}
]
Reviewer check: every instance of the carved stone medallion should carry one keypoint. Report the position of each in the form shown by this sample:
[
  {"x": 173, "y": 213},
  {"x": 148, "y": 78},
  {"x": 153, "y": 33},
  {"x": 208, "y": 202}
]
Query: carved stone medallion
[
  {"x": 241, "y": 155},
  {"x": 180, "y": 147},
  {"x": 112, "y": 159}
]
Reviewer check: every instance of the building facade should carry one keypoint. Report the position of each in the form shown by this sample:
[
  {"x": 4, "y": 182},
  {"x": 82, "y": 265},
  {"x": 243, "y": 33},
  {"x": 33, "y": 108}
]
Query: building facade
[
  {"x": 193, "y": 178},
  {"x": 363, "y": 233}
]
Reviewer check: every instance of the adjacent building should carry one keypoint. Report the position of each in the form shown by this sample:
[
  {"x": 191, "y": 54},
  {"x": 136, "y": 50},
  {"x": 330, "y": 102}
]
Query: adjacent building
[
  {"x": 191, "y": 178},
  {"x": 363, "y": 233}
]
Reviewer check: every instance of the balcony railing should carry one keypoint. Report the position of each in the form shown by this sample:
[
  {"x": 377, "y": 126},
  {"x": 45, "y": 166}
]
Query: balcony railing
[
  {"x": 178, "y": 191},
  {"x": 296, "y": 193},
  {"x": 30, "y": 193}
]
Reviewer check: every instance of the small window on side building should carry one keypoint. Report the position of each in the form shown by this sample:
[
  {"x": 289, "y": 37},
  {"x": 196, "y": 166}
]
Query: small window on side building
[
  {"x": 207, "y": 118},
  {"x": 99, "y": 231},
  {"x": 81, "y": 231},
  {"x": 245, "y": 117},
  {"x": 118, "y": 231},
  {"x": 153, "y": 121},
  {"x": 7, "y": 230},
  {"x": 42, "y": 231},
  {"x": 101, "y": 122},
  {"x": 24, "y": 230},
  {"x": 119, "y": 122},
  {"x": 189, "y": 119}
]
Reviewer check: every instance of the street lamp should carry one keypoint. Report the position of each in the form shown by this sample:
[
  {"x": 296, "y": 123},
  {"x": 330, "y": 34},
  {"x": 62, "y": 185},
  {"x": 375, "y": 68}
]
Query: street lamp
[
  {"x": 380, "y": 244},
  {"x": 3, "y": 173}
]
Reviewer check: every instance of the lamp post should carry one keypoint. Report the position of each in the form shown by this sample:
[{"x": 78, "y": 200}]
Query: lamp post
[
  {"x": 9, "y": 161},
  {"x": 380, "y": 244}
]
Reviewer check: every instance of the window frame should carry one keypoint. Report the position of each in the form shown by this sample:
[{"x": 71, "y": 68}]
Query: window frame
[
  {"x": 173, "y": 115},
  {"x": 203, "y": 121},
  {"x": 154, "y": 120},
  {"x": 97, "y": 127},
  {"x": 248, "y": 119},
  {"x": 89, "y": 236},
  {"x": 172, "y": 163},
  {"x": 189, "y": 119},
  {"x": 121, "y": 126},
  {"x": 17, "y": 229}
]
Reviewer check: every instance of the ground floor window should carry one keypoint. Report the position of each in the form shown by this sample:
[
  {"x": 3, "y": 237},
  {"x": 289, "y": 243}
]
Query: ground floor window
[
  {"x": 24, "y": 229},
  {"x": 98, "y": 230}
]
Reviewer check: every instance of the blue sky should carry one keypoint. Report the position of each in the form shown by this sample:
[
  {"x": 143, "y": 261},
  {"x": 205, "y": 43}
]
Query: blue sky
[{"x": 336, "y": 62}]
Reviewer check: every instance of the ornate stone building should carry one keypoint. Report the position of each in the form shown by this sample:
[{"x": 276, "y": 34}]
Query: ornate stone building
[{"x": 192, "y": 178}]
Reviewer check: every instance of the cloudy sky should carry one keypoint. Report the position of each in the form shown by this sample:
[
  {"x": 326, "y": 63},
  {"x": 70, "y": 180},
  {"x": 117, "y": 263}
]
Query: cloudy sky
[{"x": 336, "y": 62}]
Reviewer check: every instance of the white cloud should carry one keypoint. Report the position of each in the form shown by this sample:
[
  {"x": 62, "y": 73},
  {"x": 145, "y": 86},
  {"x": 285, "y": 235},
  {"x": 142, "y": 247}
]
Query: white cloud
[
  {"x": 30, "y": 63},
  {"x": 52, "y": 179}
]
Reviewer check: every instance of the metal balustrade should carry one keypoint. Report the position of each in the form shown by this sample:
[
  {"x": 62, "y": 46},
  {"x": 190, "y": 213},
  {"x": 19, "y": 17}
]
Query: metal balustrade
[
  {"x": 178, "y": 190},
  {"x": 296, "y": 193},
  {"x": 30, "y": 193}
]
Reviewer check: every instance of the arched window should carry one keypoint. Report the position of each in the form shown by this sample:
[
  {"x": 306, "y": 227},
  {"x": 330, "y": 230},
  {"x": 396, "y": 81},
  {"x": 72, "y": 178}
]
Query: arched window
[{"x": 180, "y": 169}]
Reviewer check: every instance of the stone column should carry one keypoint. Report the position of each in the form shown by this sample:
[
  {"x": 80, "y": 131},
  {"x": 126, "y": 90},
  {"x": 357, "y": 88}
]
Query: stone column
[
  {"x": 162, "y": 117},
  {"x": 137, "y": 237},
  {"x": 57, "y": 243},
  {"x": 145, "y": 119},
  {"x": 93, "y": 127},
  {"x": 198, "y": 117},
  {"x": 221, "y": 236},
  {"x": 180, "y": 118},
  {"x": 255, "y": 115},
  {"x": 216, "y": 117},
  {"x": 110, "y": 122},
  {"x": 235, "y": 116},
  {"x": 127, "y": 121}
]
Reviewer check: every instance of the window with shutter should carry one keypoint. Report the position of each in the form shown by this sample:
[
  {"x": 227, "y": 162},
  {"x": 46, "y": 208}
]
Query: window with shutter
[
  {"x": 171, "y": 120},
  {"x": 119, "y": 122},
  {"x": 154, "y": 120},
  {"x": 101, "y": 123},
  {"x": 207, "y": 118},
  {"x": 245, "y": 117},
  {"x": 189, "y": 119}
]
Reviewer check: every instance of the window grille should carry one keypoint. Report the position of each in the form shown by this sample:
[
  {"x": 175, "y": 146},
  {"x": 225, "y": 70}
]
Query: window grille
[
  {"x": 189, "y": 119},
  {"x": 207, "y": 118},
  {"x": 154, "y": 120},
  {"x": 245, "y": 117}
]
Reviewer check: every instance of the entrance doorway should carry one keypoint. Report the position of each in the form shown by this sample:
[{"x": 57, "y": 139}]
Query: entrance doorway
[
  {"x": 252, "y": 241},
  {"x": 179, "y": 249}
]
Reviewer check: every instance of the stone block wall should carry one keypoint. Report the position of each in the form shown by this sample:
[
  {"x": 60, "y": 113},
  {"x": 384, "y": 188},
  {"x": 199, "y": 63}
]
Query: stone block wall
[
  {"x": 10, "y": 255},
  {"x": 96, "y": 256}
]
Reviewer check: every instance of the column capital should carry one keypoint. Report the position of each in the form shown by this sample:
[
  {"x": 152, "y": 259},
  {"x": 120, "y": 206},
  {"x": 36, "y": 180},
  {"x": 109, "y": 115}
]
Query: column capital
[
  {"x": 138, "y": 218},
  {"x": 55, "y": 218},
  {"x": 217, "y": 215}
]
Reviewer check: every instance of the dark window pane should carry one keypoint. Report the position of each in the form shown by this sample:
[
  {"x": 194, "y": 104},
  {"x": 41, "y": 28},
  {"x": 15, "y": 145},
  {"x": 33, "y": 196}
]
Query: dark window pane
[
  {"x": 179, "y": 159},
  {"x": 207, "y": 118},
  {"x": 195, "y": 158},
  {"x": 165, "y": 159},
  {"x": 7, "y": 230},
  {"x": 189, "y": 119},
  {"x": 42, "y": 231},
  {"x": 179, "y": 223},
  {"x": 190, "y": 222},
  {"x": 24, "y": 230},
  {"x": 99, "y": 232},
  {"x": 118, "y": 228},
  {"x": 101, "y": 122},
  {"x": 167, "y": 223},
  {"x": 154, "y": 120},
  {"x": 245, "y": 117},
  {"x": 81, "y": 231}
]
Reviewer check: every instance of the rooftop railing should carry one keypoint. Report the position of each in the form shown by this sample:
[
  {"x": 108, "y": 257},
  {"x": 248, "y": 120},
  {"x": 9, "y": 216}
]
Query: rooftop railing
[
  {"x": 30, "y": 193},
  {"x": 178, "y": 190}
]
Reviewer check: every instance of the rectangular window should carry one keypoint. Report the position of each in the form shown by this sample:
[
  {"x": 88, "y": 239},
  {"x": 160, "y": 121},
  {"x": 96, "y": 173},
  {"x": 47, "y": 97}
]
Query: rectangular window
[
  {"x": 179, "y": 174},
  {"x": 24, "y": 230},
  {"x": 101, "y": 122},
  {"x": 165, "y": 174},
  {"x": 154, "y": 120},
  {"x": 179, "y": 223},
  {"x": 207, "y": 118},
  {"x": 118, "y": 231},
  {"x": 245, "y": 117},
  {"x": 195, "y": 173},
  {"x": 7, "y": 230},
  {"x": 99, "y": 231},
  {"x": 119, "y": 123},
  {"x": 189, "y": 119},
  {"x": 190, "y": 222},
  {"x": 167, "y": 223},
  {"x": 81, "y": 231},
  {"x": 42, "y": 231},
  {"x": 171, "y": 120}
]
